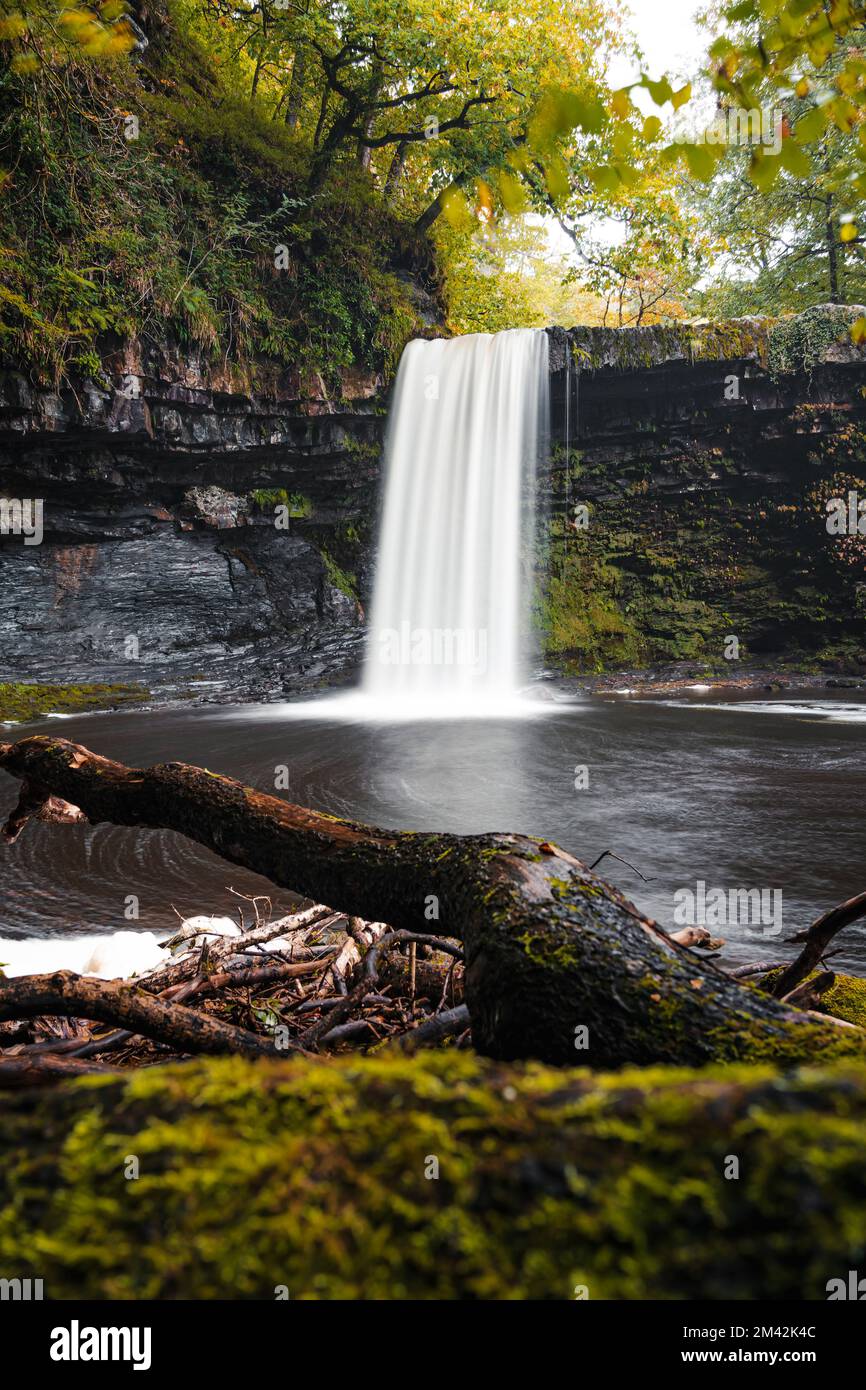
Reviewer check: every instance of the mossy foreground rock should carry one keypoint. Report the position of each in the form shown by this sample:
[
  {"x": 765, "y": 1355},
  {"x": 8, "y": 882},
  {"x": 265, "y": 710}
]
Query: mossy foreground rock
[{"x": 314, "y": 1176}]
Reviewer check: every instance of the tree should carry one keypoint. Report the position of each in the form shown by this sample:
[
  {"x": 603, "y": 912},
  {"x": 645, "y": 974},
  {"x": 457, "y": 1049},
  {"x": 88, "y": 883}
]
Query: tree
[
  {"x": 796, "y": 244},
  {"x": 448, "y": 96}
]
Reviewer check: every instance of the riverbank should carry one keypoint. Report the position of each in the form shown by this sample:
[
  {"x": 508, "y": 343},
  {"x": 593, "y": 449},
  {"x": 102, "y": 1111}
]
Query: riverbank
[
  {"x": 683, "y": 677},
  {"x": 264, "y": 683}
]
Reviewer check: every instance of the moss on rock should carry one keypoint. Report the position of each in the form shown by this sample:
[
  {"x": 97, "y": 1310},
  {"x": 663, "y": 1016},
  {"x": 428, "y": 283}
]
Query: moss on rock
[
  {"x": 315, "y": 1175},
  {"x": 20, "y": 702},
  {"x": 845, "y": 1000}
]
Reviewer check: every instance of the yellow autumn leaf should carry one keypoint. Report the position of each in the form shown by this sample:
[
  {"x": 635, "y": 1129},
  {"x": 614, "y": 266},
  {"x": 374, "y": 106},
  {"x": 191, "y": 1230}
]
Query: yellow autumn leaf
[
  {"x": 620, "y": 103},
  {"x": 512, "y": 192},
  {"x": 455, "y": 208},
  {"x": 682, "y": 96},
  {"x": 76, "y": 19},
  {"x": 484, "y": 205}
]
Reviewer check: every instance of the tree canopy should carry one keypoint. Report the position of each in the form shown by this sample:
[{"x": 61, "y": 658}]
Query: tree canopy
[{"x": 349, "y": 131}]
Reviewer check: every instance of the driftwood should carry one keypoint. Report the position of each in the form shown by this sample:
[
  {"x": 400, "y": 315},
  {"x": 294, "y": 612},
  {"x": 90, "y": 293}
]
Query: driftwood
[
  {"x": 808, "y": 994},
  {"x": 559, "y": 965},
  {"x": 219, "y": 949},
  {"x": 68, "y": 995},
  {"x": 434, "y": 1030},
  {"x": 42, "y": 1069},
  {"x": 817, "y": 939}
]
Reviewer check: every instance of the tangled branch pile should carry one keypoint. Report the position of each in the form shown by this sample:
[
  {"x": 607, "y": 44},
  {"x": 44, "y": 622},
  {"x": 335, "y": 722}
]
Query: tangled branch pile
[{"x": 309, "y": 982}]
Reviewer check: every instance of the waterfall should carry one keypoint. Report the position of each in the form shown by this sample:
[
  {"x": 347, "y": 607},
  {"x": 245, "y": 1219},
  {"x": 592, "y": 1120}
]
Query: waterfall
[{"x": 450, "y": 601}]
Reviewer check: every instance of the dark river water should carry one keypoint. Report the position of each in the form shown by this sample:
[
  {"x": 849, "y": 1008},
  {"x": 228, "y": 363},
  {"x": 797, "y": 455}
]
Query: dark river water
[{"x": 760, "y": 793}]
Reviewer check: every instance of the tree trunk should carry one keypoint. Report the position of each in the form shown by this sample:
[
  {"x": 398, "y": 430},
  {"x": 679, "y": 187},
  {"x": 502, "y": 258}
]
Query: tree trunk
[
  {"x": 323, "y": 116},
  {"x": 296, "y": 89},
  {"x": 325, "y": 150},
  {"x": 364, "y": 154},
  {"x": 66, "y": 995},
  {"x": 432, "y": 211},
  {"x": 395, "y": 171},
  {"x": 832, "y": 253},
  {"x": 559, "y": 965},
  {"x": 510, "y": 1182},
  {"x": 260, "y": 56}
]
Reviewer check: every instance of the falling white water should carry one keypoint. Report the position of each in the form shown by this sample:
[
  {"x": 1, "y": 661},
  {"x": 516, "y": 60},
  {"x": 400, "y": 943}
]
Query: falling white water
[{"x": 450, "y": 600}]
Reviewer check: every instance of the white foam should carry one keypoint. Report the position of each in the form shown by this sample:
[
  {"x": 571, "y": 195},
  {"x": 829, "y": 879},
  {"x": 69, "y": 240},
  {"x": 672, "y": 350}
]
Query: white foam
[
  {"x": 361, "y": 707},
  {"x": 111, "y": 956},
  {"x": 832, "y": 711}
]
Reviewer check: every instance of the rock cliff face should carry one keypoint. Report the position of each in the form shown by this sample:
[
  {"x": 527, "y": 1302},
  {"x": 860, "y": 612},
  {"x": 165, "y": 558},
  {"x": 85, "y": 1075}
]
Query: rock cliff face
[
  {"x": 201, "y": 529},
  {"x": 195, "y": 530},
  {"x": 687, "y": 496}
]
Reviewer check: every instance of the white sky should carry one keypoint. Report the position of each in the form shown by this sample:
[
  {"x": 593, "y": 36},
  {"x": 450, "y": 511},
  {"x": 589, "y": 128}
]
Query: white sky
[{"x": 669, "y": 37}]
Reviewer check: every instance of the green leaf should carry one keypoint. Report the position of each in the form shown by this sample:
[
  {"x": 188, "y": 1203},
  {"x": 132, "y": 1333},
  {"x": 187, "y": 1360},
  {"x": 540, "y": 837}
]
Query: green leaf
[
  {"x": 746, "y": 9},
  {"x": 660, "y": 91},
  {"x": 701, "y": 160},
  {"x": 604, "y": 178},
  {"x": 764, "y": 170},
  {"x": 795, "y": 160},
  {"x": 811, "y": 126}
]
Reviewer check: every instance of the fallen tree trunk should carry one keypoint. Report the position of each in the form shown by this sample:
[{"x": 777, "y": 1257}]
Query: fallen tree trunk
[
  {"x": 559, "y": 965},
  {"x": 512, "y": 1181}
]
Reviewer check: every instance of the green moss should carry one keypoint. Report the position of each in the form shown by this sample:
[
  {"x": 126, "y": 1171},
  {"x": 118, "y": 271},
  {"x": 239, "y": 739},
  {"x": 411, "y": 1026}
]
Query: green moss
[
  {"x": 266, "y": 499},
  {"x": 683, "y": 551},
  {"x": 312, "y": 1175},
  {"x": 579, "y": 613},
  {"x": 636, "y": 349},
  {"x": 345, "y": 582},
  {"x": 22, "y": 702},
  {"x": 799, "y": 343},
  {"x": 846, "y": 999}
]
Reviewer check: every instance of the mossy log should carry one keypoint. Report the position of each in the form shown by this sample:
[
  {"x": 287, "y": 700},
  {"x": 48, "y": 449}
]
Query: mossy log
[
  {"x": 556, "y": 959},
  {"x": 436, "y": 1176}
]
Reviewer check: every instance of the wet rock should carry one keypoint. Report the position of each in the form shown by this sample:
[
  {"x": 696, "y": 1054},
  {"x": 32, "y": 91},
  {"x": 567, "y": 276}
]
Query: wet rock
[{"x": 214, "y": 506}]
